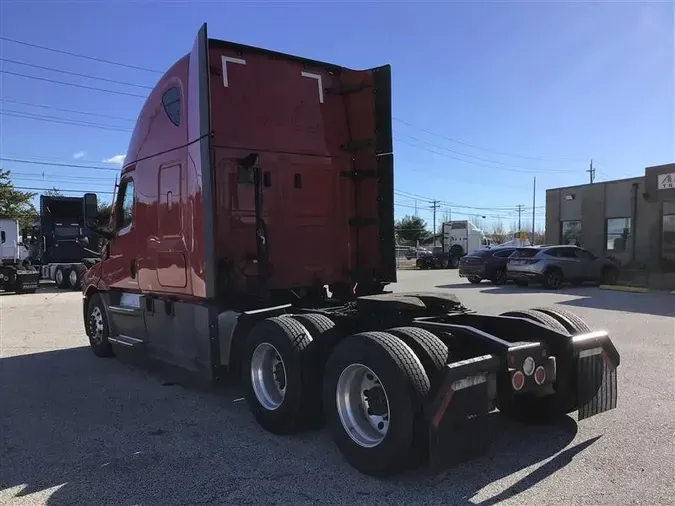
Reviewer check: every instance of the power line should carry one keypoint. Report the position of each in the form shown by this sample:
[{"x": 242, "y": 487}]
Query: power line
[
  {"x": 71, "y": 84},
  {"x": 64, "y": 110},
  {"x": 60, "y": 189},
  {"x": 410, "y": 195},
  {"x": 42, "y": 174},
  {"x": 78, "y": 55},
  {"x": 56, "y": 164},
  {"x": 524, "y": 169},
  {"x": 76, "y": 74},
  {"x": 524, "y": 157},
  {"x": 508, "y": 169},
  {"x": 52, "y": 119}
]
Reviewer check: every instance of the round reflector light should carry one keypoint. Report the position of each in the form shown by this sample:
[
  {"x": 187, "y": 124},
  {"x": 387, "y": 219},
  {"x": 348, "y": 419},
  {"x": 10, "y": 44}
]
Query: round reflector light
[
  {"x": 528, "y": 366},
  {"x": 517, "y": 380},
  {"x": 540, "y": 375}
]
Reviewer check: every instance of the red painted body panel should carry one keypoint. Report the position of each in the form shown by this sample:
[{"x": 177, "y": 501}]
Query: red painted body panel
[{"x": 282, "y": 110}]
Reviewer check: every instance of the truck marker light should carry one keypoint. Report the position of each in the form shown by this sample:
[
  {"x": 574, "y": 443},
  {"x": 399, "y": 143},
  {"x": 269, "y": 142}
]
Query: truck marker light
[
  {"x": 528, "y": 366},
  {"x": 512, "y": 361},
  {"x": 540, "y": 375},
  {"x": 517, "y": 380}
]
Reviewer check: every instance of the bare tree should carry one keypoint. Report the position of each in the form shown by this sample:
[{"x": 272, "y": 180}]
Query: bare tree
[
  {"x": 539, "y": 235},
  {"x": 497, "y": 232}
]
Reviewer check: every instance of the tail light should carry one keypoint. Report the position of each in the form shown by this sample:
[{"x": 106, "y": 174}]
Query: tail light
[
  {"x": 517, "y": 380},
  {"x": 540, "y": 375}
]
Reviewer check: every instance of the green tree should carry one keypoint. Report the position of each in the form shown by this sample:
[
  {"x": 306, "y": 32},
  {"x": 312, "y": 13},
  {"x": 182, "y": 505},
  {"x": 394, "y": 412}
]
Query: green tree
[
  {"x": 15, "y": 204},
  {"x": 411, "y": 229},
  {"x": 104, "y": 213}
]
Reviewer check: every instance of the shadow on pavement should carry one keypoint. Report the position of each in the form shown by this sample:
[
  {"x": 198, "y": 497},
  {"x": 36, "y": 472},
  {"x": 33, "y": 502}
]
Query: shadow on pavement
[
  {"x": 592, "y": 297},
  {"x": 83, "y": 430},
  {"x": 657, "y": 303}
]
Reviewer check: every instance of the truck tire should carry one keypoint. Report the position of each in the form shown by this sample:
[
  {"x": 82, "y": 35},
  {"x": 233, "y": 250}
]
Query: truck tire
[
  {"x": 454, "y": 262},
  {"x": 61, "y": 277},
  {"x": 281, "y": 375},
  {"x": 74, "y": 279},
  {"x": 97, "y": 327},
  {"x": 539, "y": 317},
  {"x": 474, "y": 280},
  {"x": 432, "y": 352},
  {"x": 572, "y": 323},
  {"x": 325, "y": 335},
  {"x": 377, "y": 436}
]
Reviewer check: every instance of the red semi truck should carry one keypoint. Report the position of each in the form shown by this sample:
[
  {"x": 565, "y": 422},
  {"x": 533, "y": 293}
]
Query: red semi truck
[{"x": 252, "y": 234}]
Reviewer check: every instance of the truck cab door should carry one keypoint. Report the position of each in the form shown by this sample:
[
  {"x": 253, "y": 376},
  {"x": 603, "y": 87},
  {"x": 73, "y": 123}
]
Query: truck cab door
[{"x": 120, "y": 270}]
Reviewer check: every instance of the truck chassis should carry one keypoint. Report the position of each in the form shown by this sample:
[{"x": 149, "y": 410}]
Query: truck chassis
[
  {"x": 401, "y": 379},
  {"x": 66, "y": 275},
  {"x": 18, "y": 277}
]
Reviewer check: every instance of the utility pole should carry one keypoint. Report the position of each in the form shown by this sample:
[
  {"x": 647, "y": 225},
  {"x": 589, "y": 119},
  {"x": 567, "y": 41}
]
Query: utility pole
[
  {"x": 534, "y": 203},
  {"x": 435, "y": 205},
  {"x": 520, "y": 210},
  {"x": 591, "y": 172}
]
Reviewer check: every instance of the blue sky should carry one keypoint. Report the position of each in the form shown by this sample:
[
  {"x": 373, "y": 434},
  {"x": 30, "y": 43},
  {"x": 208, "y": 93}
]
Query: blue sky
[{"x": 486, "y": 94}]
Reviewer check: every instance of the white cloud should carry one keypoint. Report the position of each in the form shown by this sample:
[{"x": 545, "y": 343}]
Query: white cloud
[
  {"x": 117, "y": 159},
  {"x": 78, "y": 155}
]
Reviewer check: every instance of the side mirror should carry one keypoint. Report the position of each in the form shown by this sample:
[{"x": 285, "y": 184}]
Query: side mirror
[{"x": 90, "y": 209}]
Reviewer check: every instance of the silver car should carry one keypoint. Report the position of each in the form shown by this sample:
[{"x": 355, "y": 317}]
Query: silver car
[{"x": 554, "y": 265}]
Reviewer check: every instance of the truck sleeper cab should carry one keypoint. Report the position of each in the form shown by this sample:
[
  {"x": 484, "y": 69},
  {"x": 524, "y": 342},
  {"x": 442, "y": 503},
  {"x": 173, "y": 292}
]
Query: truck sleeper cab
[{"x": 252, "y": 234}]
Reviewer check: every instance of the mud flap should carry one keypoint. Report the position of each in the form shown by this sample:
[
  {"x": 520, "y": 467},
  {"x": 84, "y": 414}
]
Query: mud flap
[
  {"x": 597, "y": 361},
  {"x": 457, "y": 414}
]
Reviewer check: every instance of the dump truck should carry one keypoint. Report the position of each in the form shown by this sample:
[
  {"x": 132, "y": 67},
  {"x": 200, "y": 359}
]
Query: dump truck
[
  {"x": 253, "y": 235},
  {"x": 16, "y": 273},
  {"x": 57, "y": 251}
]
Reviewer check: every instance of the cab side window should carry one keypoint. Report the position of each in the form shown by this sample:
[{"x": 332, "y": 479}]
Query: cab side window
[
  {"x": 171, "y": 103},
  {"x": 125, "y": 206}
]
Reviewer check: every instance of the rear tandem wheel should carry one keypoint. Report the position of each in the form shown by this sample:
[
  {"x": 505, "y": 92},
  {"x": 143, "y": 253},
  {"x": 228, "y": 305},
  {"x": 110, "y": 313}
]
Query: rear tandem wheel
[{"x": 373, "y": 390}]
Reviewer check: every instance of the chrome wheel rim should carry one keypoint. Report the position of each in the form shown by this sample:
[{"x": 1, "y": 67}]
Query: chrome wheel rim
[
  {"x": 72, "y": 277},
  {"x": 59, "y": 276},
  {"x": 96, "y": 325},
  {"x": 362, "y": 405},
  {"x": 268, "y": 376}
]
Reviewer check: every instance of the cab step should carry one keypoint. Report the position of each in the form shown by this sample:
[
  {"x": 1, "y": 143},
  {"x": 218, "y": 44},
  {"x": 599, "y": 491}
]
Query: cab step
[{"x": 128, "y": 341}]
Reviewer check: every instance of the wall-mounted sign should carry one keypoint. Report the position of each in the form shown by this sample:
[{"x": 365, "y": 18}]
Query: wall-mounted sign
[{"x": 666, "y": 181}]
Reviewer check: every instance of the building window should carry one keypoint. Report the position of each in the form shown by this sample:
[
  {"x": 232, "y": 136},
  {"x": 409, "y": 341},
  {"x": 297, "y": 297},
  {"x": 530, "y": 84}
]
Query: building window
[
  {"x": 618, "y": 232},
  {"x": 171, "y": 103},
  {"x": 668, "y": 242},
  {"x": 571, "y": 232}
]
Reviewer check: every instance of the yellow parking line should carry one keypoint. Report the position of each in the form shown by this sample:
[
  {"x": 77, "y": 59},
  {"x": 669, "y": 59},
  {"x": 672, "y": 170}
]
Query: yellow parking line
[{"x": 625, "y": 288}]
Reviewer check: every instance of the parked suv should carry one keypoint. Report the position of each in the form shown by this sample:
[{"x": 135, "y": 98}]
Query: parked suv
[
  {"x": 554, "y": 265},
  {"x": 486, "y": 263}
]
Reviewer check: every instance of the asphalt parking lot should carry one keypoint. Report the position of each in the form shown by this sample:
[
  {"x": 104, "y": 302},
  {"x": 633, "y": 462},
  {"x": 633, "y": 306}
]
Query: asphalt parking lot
[{"x": 76, "y": 429}]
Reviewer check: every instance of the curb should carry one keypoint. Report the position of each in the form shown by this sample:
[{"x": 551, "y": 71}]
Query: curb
[{"x": 626, "y": 288}]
